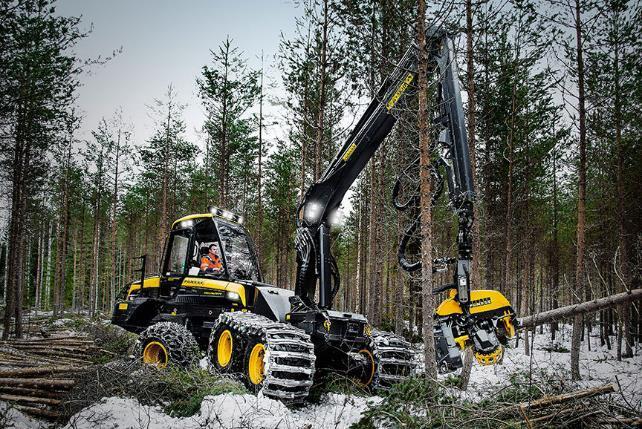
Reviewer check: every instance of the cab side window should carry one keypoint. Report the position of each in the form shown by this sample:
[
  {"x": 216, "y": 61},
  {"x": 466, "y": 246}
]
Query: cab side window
[{"x": 177, "y": 254}]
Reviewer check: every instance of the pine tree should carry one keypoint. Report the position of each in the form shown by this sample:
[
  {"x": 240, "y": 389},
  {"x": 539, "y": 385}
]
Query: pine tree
[
  {"x": 38, "y": 78},
  {"x": 228, "y": 89}
]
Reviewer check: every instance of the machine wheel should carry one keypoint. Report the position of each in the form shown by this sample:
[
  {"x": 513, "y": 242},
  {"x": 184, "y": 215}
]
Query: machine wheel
[
  {"x": 167, "y": 343},
  {"x": 365, "y": 369},
  {"x": 254, "y": 364},
  {"x": 225, "y": 349},
  {"x": 393, "y": 357},
  {"x": 277, "y": 358}
]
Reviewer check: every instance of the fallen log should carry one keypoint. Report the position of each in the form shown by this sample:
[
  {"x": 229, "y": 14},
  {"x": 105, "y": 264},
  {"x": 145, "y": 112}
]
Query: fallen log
[
  {"x": 26, "y": 391},
  {"x": 628, "y": 421},
  {"x": 37, "y": 382},
  {"x": 68, "y": 349},
  {"x": 40, "y": 412},
  {"x": 548, "y": 401},
  {"x": 558, "y": 414},
  {"x": 30, "y": 399},
  {"x": 40, "y": 370},
  {"x": 581, "y": 308},
  {"x": 50, "y": 340},
  {"x": 59, "y": 356}
]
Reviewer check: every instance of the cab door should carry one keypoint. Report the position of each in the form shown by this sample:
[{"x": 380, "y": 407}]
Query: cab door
[{"x": 176, "y": 261}]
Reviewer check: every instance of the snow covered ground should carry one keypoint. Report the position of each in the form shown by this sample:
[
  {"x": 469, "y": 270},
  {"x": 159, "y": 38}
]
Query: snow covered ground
[
  {"x": 598, "y": 366},
  {"x": 226, "y": 411}
]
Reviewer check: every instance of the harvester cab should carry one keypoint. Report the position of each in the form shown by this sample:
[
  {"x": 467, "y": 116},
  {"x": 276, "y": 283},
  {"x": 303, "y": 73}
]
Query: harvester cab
[{"x": 187, "y": 291}]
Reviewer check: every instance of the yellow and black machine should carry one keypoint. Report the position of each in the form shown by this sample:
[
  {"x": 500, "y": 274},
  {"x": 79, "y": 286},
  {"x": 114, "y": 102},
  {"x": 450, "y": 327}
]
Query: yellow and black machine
[{"x": 211, "y": 295}]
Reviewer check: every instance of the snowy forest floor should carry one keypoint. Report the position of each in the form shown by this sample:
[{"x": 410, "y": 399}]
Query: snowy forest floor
[{"x": 549, "y": 363}]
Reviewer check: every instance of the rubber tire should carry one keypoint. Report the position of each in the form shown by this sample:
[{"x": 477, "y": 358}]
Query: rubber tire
[
  {"x": 177, "y": 339},
  {"x": 255, "y": 388},
  {"x": 236, "y": 361}
]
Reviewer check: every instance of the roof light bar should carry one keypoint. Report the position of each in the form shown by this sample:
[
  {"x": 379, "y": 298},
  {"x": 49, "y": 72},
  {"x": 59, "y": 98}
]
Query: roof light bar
[{"x": 225, "y": 214}]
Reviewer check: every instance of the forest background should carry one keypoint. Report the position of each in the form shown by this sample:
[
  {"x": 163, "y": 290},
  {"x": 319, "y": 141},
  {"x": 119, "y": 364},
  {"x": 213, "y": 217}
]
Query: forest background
[{"x": 553, "y": 94}]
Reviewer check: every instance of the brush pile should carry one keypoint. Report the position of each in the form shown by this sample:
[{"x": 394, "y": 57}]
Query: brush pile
[{"x": 422, "y": 403}]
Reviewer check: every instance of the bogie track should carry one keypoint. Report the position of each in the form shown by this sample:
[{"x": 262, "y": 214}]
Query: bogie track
[
  {"x": 274, "y": 357},
  {"x": 394, "y": 359}
]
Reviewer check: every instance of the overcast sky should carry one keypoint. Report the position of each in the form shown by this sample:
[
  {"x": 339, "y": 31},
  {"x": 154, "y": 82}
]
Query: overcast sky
[{"x": 166, "y": 42}]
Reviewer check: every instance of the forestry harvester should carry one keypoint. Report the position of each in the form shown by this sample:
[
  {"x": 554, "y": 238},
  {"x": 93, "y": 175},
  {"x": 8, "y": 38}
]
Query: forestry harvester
[{"x": 276, "y": 338}]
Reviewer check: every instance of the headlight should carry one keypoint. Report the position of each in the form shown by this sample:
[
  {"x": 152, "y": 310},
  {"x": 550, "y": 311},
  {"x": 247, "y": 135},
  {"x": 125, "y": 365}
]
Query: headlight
[
  {"x": 233, "y": 296},
  {"x": 312, "y": 212}
]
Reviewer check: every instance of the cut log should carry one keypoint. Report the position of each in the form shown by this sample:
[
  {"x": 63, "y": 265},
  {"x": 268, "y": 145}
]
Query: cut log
[
  {"x": 548, "y": 401},
  {"x": 625, "y": 421},
  {"x": 72, "y": 351},
  {"x": 44, "y": 341},
  {"x": 37, "y": 382},
  {"x": 40, "y": 370},
  {"x": 13, "y": 390},
  {"x": 40, "y": 412},
  {"x": 59, "y": 357},
  {"x": 30, "y": 399},
  {"x": 556, "y": 415},
  {"x": 581, "y": 308}
]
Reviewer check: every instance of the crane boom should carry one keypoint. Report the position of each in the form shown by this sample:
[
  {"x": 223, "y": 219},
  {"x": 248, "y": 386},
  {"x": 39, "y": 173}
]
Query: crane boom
[{"x": 315, "y": 262}]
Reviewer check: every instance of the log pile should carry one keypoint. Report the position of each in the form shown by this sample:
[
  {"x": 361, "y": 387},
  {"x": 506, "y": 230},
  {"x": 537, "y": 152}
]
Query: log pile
[{"x": 36, "y": 374}]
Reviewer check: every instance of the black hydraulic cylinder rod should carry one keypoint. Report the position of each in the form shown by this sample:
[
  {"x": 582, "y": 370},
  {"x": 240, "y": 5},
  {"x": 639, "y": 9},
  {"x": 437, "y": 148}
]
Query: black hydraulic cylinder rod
[{"x": 325, "y": 284}]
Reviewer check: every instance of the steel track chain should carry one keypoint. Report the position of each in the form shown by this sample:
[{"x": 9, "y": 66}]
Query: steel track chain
[
  {"x": 394, "y": 359},
  {"x": 289, "y": 354}
]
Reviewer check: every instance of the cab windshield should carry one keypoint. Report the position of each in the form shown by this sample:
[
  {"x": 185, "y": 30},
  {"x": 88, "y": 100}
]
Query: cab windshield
[
  {"x": 214, "y": 249},
  {"x": 239, "y": 255}
]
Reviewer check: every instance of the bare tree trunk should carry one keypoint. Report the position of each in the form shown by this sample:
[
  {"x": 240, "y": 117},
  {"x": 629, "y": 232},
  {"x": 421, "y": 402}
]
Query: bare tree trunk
[
  {"x": 622, "y": 236},
  {"x": 581, "y": 203},
  {"x": 167, "y": 154},
  {"x": 359, "y": 271},
  {"x": 74, "y": 284},
  {"x": 114, "y": 224},
  {"x": 427, "y": 299},
  {"x": 38, "y": 279},
  {"x": 95, "y": 266},
  {"x": 472, "y": 107},
  {"x": 322, "y": 95},
  {"x": 508, "y": 220},
  {"x": 259, "y": 185},
  {"x": 555, "y": 249},
  {"x": 63, "y": 233},
  {"x": 47, "y": 278},
  {"x": 399, "y": 291},
  {"x": 372, "y": 244},
  {"x": 14, "y": 243}
]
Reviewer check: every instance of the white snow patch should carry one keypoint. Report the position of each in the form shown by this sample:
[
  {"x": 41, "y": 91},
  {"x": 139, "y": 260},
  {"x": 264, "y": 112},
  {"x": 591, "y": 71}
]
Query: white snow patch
[
  {"x": 597, "y": 367},
  {"x": 226, "y": 411},
  {"x": 12, "y": 418}
]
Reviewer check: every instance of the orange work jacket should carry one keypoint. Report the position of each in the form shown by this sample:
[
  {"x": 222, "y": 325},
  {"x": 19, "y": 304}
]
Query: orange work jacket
[{"x": 207, "y": 262}]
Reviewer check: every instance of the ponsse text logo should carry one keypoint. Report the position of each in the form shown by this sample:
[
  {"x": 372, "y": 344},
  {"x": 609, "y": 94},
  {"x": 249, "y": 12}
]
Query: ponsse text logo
[{"x": 478, "y": 302}]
